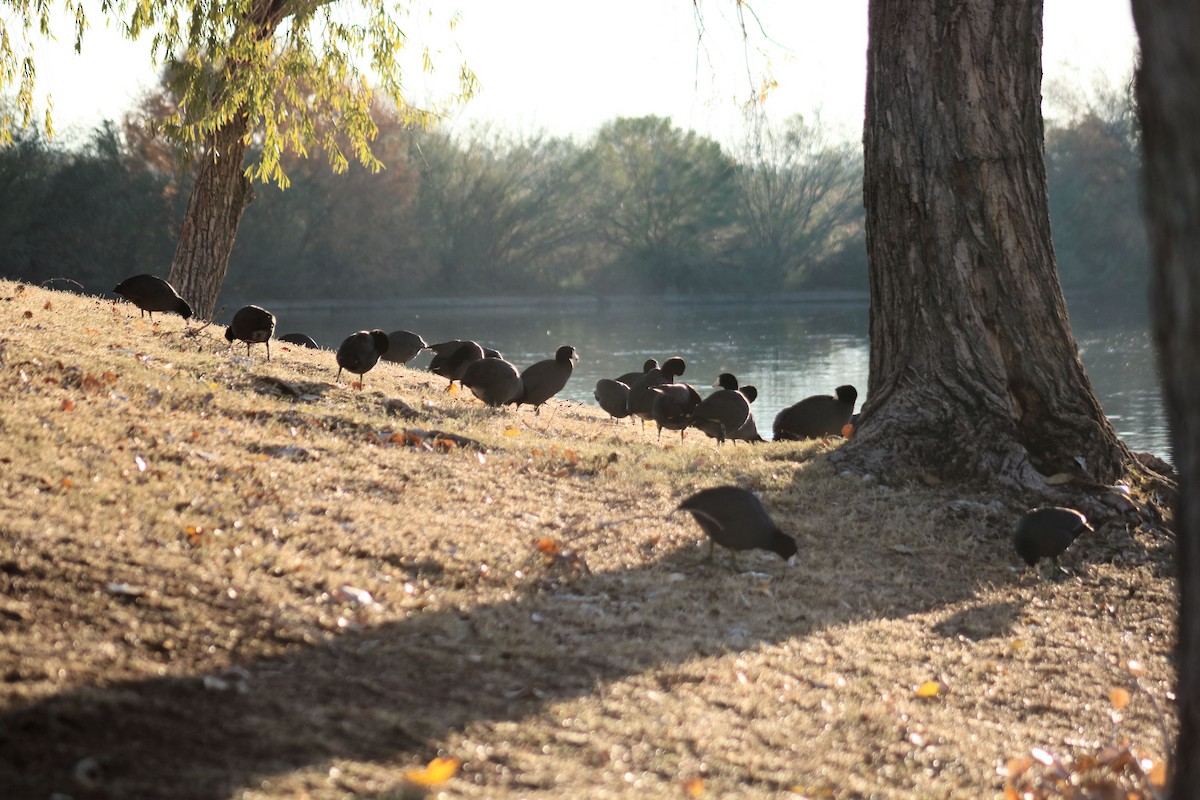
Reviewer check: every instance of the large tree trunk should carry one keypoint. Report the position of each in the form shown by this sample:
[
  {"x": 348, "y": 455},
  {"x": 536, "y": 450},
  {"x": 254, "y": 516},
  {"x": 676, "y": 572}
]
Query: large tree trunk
[
  {"x": 1168, "y": 89},
  {"x": 210, "y": 225},
  {"x": 974, "y": 371}
]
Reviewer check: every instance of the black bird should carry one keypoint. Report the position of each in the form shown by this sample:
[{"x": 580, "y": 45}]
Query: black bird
[
  {"x": 725, "y": 411},
  {"x": 734, "y": 518},
  {"x": 359, "y": 352},
  {"x": 1047, "y": 532},
  {"x": 629, "y": 377},
  {"x": 151, "y": 293},
  {"x": 673, "y": 407},
  {"x": 252, "y": 324},
  {"x": 749, "y": 431},
  {"x": 493, "y": 380},
  {"x": 641, "y": 399},
  {"x": 301, "y": 340},
  {"x": 613, "y": 397},
  {"x": 403, "y": 347},
  {"x": 544, "y": 379},
  {"x": 816, "y": 416},
  {"x": 450, "y": 359}
]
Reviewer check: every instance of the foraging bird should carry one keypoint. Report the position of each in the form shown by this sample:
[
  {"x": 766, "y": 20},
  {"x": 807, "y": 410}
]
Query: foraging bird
[
  {"x": 360, "y": 351},
  {"x": 749, "y": 431},
  {"x": 403, "y": 347},
  {"x": 641, "y": 399},
  {"x": 1046, "y": 532},
  {"x": 151, "y": 293},
  {"x": 301, "y": 340},
  {"x": 493, "y": 380},
  {"x": 450, "y": 359},
  {"x": 544, "y": 379},
  {"x": 252, "y": 324},
  {"x": 725, "y": 411},
  {"x": 735, "y": 519},
  {"x": 816, "y": 416},
  {"x": 613, "y": 397},
  {"x": 673, "y": 407}
]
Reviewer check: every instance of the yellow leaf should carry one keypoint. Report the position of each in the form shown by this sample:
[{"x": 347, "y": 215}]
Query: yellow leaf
[
  {"x": 929, "y": 689},
  {"x": 1119, "y": 697},
  {"x": 694, "y": 787},
  {"x": 1158, "y": 774},
  {"x": 511, "y": 431},
  {"x": 435, "y": 772},
  {"x": 1017, "y": 644}
]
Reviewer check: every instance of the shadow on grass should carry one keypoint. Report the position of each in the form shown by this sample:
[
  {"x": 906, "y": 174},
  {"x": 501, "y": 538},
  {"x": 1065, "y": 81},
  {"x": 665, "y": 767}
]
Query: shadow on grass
[{"x": 389, "y": 693}]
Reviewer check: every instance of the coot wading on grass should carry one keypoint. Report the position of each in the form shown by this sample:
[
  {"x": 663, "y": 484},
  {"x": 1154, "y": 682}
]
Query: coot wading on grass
[
  {"x": 816, "y": 416},
  {"x": 641, "y": 399},
  {"x": 724, "y": 412},
  {"x": 612, "y": 396},
  {"x": 300, "y": 340},
  {"x": 674, "y": 406},
  {"x": 451, "y": 358},
  {"x": 735, "y": 519},
  {"x": 252, "y": 325},
  {"x": 151, "y": 293},
  {"x": 544, "y": 379},
  {"x": 1047, "y": 533},
  {"x": 359, "y": 353},
  {"x": 492, "y": 380},
  {"x": 403, "y": 347}
]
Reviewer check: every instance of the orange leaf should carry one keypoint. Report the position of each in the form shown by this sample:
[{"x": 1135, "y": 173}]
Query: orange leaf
[
  {"x": 928, "y": 689},
  {"x": 847, "y": 430},
  {"x": 549, "y": 547},
  {"x": 67, "y": 483},
  {"x": 28, "y": 315},
  {"x": 435, "y": 772},
  {"x": 694, "y": 787},
  {"x": 1119, "y": 697},
  {"x": 47, "y": 306},
  {"x": 1158, "y": 774},
  {"x": 68, "y": 405}
]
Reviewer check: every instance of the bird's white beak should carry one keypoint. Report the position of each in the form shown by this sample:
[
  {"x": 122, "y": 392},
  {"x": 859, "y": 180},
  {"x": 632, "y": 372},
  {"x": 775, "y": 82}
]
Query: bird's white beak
[{"x": 791, "y": 562}]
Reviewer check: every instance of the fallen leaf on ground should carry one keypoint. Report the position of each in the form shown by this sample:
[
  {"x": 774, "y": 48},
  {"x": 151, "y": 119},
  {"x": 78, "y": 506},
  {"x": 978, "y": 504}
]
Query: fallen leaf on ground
[{"x": 435, "y": 772}]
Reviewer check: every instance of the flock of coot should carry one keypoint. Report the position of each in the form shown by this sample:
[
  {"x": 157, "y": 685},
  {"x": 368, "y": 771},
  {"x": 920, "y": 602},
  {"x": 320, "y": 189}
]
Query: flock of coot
[{"x": 729, "y": 515}]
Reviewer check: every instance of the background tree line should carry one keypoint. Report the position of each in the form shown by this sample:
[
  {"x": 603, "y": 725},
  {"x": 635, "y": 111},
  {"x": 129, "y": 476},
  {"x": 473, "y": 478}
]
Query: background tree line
[{"x": 641, "y": 206}]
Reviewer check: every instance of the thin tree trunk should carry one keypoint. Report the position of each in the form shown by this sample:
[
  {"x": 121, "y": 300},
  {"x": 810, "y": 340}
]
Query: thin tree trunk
[
  {"x": 974, "y": 370},
  {"x": 1168, "y": 90},
  {"x": 221, "y": 194}
]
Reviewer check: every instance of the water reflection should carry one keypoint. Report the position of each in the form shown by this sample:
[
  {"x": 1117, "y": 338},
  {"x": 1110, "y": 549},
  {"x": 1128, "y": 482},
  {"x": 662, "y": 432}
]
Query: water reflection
[{"x": 787, "y": 350}]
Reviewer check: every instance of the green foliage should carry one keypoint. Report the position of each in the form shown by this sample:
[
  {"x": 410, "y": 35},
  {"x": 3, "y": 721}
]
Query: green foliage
[
  {"x": 297, "y": 69},
  {"x": 661, "y": 195}
]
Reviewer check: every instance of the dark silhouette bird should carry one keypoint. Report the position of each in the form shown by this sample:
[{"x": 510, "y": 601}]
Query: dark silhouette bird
[
  {"x": 252, "y": 324},
  {"x": 673, "y": 407},
  {"x": 725, "y": 411},
  {"x": 735, "y": 519},
  {"x": 1047, "y": 532},
  {"x": 301, "y": 340},
  {"x": 629, "y": 377},
  {"x": 544, "y": 379},
  {"x": 816, "y": 416},
  {"x": 613, "y": 397},
  {"x": 403, "y": 347},
  {"x": 451, "y": 358},
  {"x": 493, "y": 380},
  {"x": 151, "y": 293},
  {"x": 749, "y": 431},
  {"x": 360, "y": 352},
  {"x": 641, "y": 399}
]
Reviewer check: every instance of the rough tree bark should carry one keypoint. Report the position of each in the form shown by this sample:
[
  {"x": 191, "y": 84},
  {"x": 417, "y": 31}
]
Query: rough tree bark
[
  {"x": 210, "y": 225},
  {"x": 974, "y": 370},
  {"x": 222, "y": 192},
  {"x": 1168, "y": 92}
]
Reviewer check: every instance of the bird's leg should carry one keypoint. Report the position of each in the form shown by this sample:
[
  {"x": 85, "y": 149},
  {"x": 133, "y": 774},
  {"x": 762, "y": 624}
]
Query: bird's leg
[
  {"x": 733, "y": 561},
  {"x": 268, "y": 349},
  {"x": 660, "y": 433},
  {"x": 712, "y": 546}
]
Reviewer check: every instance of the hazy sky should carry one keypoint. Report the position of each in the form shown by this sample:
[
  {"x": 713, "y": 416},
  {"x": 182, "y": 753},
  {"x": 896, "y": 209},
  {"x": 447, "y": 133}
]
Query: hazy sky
[{"x": 567, "y": 67}]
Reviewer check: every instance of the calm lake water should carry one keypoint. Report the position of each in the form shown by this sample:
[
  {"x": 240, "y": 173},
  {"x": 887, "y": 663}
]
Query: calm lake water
[{"x": 787, "y": 350}]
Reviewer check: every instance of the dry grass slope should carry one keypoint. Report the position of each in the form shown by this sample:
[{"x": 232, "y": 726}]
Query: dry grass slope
[{"x": 221, "y": 577}]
